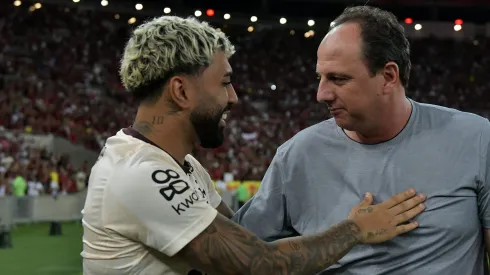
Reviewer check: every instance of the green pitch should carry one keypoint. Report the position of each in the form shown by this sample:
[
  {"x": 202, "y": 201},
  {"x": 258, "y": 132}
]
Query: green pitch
[{"x": 34, "y": 252}]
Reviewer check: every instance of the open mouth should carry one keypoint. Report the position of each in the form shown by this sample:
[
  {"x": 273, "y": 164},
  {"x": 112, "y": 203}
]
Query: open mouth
[{"x": 222, "y": 121}]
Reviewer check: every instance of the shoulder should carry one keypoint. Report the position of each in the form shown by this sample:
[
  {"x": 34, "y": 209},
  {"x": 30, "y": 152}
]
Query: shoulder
[
  {"x": 198, "y": 170},
  {"x": 134, "y": 165},
  {"x": 128, "y": 152},
  {"x": 196, "y": 165},
  {"x": 308, "y": 139},
  {"x": 446, "y": 118}
]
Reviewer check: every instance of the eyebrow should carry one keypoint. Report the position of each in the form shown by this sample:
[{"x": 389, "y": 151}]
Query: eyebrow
[
  {"x": 228, "y": 74},
  {"x": 330, "y": 75},
  {"x": 338, "y": 75}
]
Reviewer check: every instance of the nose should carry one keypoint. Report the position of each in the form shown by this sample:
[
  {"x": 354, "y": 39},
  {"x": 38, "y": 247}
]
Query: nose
[
  {"x": 325, "y": 93},
  {"x": 232, "y": 96}
]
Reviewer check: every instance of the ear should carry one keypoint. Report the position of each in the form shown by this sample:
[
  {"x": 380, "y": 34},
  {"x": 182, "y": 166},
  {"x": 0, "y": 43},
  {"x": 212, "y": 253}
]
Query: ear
[
  {"x": 391, "y": 75},
  {"x": 180, "y": 92}
]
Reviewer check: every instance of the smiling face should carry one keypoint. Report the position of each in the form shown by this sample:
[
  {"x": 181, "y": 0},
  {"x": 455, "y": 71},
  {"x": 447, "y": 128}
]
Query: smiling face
[
  {"x": 352, "y": 94},
  {"x": 215, "y": 97}
]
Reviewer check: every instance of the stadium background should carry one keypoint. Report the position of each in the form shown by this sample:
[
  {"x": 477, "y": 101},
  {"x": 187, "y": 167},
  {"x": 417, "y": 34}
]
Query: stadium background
[{"x": 60, "y": 96}]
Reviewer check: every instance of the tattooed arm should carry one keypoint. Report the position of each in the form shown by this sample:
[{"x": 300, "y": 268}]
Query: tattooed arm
[
  {"x": 225, "y": 210},
  {"x": 227, "y": 248}
]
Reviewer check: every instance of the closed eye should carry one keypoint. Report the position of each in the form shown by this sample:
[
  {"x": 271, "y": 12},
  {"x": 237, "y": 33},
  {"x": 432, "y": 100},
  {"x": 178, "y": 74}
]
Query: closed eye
[{"x": 338, "y": 79}]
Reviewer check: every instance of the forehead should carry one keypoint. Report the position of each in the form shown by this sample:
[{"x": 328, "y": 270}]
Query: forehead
[{"x": 341, "y": 48}]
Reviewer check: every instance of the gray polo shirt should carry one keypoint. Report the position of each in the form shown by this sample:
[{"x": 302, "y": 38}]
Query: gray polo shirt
[{"x": 320, "y": 174}]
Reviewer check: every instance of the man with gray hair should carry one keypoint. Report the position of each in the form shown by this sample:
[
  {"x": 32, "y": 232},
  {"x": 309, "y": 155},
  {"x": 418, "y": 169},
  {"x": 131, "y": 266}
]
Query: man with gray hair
[{"x": 152, "y": 208}]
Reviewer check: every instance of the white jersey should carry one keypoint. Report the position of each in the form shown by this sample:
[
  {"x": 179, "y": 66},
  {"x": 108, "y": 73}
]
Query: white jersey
[
  {"x": 142, "y": 208},
  {"x": 34, "y": 188}
]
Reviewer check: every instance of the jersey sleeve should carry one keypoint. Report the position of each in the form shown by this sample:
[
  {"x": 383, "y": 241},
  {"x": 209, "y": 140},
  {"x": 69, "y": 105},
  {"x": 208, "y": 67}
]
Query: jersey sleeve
[
  {"x": 161, "y": 196},
  {"x": 266, "y": 214},
  {"x": 214, "y": 197}
]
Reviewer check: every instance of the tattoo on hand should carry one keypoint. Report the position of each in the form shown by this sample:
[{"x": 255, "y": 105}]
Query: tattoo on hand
[
  {"x": 378, "y": 232},
  {"x": 365, "y": 210}
]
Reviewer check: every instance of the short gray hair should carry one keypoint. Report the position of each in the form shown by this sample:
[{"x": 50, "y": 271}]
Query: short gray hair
[{"x": 166, "y": 46}]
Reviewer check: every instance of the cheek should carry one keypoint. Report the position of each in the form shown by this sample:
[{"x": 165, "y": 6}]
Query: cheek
[
  {"x": 217, "y": 95},
  {"x": 366, "y": 91},
  {"x": 373, "y": 97},
  {"x": 352, "y": 95},
  {"x": 376, "y": 85},
  {"x": 357, "y": 99}
]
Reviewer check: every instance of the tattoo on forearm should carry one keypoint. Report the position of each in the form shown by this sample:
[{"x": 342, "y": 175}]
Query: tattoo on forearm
[
  {"x": 225, "y": 210},
  {"x": 226, "y": 248}
]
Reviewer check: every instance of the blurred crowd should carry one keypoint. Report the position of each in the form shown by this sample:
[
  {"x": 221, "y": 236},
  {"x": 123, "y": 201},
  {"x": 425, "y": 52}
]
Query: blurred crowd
[
  {"x": 59, "y": 75},
  {"x": 27, "y": 170}
]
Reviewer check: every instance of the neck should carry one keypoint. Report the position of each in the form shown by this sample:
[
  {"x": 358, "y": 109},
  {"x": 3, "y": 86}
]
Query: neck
[
  {"x": 394, "y": 119},
  {"x": 165, "y": 131}
]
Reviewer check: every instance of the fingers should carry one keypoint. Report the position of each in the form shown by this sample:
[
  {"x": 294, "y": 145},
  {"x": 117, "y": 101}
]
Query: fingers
[
  {"x": 389, "y": 203},
  {"x": 368, "y": 200},
  {"x": 405, "y": 216},
  {"x": 406, "y": 228},
  {"x": 407, "y": 205}
]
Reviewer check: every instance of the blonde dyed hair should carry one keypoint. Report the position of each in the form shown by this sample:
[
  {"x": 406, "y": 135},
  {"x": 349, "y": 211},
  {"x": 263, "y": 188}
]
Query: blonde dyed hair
[{"x": 166, "y": 46}]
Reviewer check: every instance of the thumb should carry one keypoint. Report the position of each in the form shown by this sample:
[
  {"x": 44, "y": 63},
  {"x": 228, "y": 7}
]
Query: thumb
[{"x": 368, "y": 199}]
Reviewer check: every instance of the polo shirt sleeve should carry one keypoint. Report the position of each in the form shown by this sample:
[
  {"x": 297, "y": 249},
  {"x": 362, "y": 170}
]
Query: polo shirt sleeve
[
  {"x": 266, "y": 213},
  {"x": 483, "y": 192},
  {"x": 161, "y": 196}
]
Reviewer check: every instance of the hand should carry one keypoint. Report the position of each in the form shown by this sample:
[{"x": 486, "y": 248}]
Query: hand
[{"x": 384, "y": 221}]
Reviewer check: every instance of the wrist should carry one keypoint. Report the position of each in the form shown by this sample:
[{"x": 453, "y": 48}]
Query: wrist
[{"x": 354, "y": 227}]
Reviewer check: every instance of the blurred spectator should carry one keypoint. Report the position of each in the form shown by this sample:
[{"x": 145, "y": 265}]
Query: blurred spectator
[
  {"x": 19, "y": 183},
  {"x": 34, "y": 186},
  {"x": 243, "y": 194},
  {"x": 81, "y": 180},
  {"x": 4, "y": 187},
  {"x": 54, "y": 179}
]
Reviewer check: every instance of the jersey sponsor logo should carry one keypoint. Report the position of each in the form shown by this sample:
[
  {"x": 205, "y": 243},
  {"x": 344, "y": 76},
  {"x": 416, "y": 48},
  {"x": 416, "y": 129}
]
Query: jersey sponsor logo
[
  {"x": 203, "y": 192},
  {"x": 195, "y": 196},
  {"x": 176, "y": 187}
]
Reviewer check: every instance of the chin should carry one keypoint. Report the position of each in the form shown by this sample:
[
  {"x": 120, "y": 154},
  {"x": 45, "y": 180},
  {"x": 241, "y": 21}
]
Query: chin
[
  {"x": 342, "y": 123},
  {"x": 212, "y": 143}
]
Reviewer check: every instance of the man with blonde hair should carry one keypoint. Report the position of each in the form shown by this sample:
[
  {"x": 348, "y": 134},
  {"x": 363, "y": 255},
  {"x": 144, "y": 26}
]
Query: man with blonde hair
[{"x": 152, "y": 208}]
